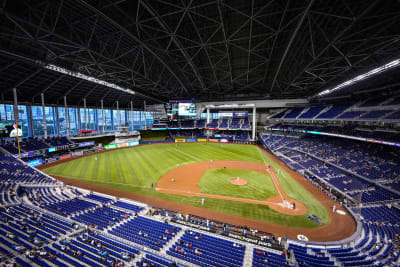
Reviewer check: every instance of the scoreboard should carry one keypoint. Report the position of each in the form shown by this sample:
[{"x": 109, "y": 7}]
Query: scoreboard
[{"x": 177, "y": 109}]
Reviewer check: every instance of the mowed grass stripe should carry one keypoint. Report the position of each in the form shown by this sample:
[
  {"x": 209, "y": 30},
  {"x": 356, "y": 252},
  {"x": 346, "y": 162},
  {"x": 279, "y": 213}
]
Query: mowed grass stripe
[
  {"x": 150, "y": 170},
  {"x": 123, "y": 166},
  {"x": 136, "y": 162},
  {"x": 132, "y": 175},
  {"x": 103, "y": 171},
  {"x": 140, "y": 168}
]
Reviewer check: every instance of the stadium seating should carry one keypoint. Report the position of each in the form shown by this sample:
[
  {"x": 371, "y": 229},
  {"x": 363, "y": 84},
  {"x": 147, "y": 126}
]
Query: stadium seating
[
  {"x": 246, "y": 124},
  {"x": 10, "y": 147},
  {"x": 213, "y": 123},
  {"x": 101, "y": 217},
  {"x": 32, "y": 144},
  {"x": 200, "y": 124},
  {"x": 187, "y": 124},
  {"x": 356, "y": 159},
  {"x": 206, "y": 250},
  {"x": 293, "y": 113},
  {"x": 69, "y": 207},
  {"x": 379, "y": 108},
  {"x": 375, "y": 114},
  {"x": 311, "y": 112},
  {"x": 262, "y": 258},
  {"x": 146, "y": 232},
  {"x": 58, "y": 141},
  {"x": 333, "y": 112},
  {"x": 235, "y": 123},
  {"x": 224, "y": 123}
]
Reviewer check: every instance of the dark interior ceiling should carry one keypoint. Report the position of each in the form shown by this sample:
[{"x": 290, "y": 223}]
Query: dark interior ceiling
[{"x": 202, "y": 50}]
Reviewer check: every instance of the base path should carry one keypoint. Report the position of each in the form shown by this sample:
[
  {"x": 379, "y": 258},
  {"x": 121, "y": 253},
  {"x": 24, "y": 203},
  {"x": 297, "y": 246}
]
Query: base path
[{"x": 183, "y": 181}]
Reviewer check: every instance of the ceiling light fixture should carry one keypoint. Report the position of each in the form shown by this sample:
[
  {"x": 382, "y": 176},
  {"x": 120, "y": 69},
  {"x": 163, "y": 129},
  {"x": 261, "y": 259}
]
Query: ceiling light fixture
[
  {"x": 85, "y": 77},
  {"x": 358, "y": 78}
]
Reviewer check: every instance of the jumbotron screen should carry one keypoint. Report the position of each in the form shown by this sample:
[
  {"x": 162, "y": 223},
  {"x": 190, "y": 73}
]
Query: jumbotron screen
[
  {"x": 9, "y": 129},
  {"x": 176, "y": 109}
]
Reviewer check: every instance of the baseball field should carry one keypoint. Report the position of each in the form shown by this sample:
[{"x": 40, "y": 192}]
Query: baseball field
[{"x": 151, "y": 170}]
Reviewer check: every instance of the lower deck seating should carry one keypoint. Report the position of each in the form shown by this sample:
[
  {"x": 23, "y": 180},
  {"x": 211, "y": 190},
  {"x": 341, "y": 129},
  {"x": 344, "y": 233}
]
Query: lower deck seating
[
  {"x": 147, "y": 232},
  {"x": 127, "y": 206},
  {"x": 262, "y": 258},
  {"x": 69, "y": 207},
  {"x": 206, "y": 250},
  {"x": 101, "y": 217}
]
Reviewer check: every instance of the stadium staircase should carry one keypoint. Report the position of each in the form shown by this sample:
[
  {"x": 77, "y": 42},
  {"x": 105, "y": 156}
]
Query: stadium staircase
[
  {"x": 248, "y": 255},
  {"x": 167, "y": 246}
]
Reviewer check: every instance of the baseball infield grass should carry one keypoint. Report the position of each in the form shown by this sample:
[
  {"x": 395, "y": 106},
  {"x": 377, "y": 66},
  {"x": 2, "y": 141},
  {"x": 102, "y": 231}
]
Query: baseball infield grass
[
  {"x": 217, "y": 182},
  {"x": 136, "y": 169}
]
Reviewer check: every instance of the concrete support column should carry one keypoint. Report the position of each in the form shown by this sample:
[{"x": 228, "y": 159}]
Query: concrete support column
[
  {"x": 85, "y": 111},
  {"x": 133, "y": 126},
  {"x": 16, "y": 115},
  {"x": 144, "y": 114},
  {"x": 208, "y": 115},
  {"x": 102, "y": 114},
  {"x": 44, "y": 116},
  {"x": 57, "y": 121},
  {"x": 118, "y": 116},
  {"x": 30, "y": 120},
  {"x": 78, "y": 111},
  {"x": 66, "y": 115},
  {"x": 253, "y": 133}
]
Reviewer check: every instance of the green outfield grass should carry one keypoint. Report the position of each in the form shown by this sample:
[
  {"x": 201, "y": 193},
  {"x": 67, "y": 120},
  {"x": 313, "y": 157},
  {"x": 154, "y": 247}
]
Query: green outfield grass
[
  {"x": 217, "y": 182},
  {"x": 136, "y": 169}
]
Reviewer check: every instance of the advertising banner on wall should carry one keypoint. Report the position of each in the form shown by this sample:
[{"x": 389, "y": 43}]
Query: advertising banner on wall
[
  {"x": 50, "y": 160},
  {"x": 84, "y": 144},
  {"x": 134, "y": 143},
  {"x": 223, "y": 140},
  {"x": 111, "y": 146},
  {"x": 180, "y": 140},
  {"x": 191, "y": 140},
  {"x": 36, "y": 162},
  {"x": 67, "y": 156},
  {"x": 77, "y": 153},
  {"x": 88, "y": 151},
  {"x": 213, "y": 140},
  {"x": 240, "y": 114},
  {"x": 201, "y": 140}
]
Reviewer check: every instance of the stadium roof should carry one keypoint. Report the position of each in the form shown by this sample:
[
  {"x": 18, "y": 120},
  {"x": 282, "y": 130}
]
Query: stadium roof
[{"x": 203, "y": 50}]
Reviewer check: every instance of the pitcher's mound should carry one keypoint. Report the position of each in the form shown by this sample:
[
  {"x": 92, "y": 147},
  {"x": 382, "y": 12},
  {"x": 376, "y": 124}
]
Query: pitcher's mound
[{"x": 237, "y": 181}]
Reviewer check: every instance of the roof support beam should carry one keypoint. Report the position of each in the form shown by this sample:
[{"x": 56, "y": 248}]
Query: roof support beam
[
  {"x": 137, "y": 40},
  {"x": 221, "y": 17},
  {"x": 292, "y": 37}
]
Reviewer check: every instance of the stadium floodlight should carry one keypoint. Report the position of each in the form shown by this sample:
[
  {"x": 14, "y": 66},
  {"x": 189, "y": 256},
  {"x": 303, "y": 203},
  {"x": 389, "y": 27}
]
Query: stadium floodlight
[
  {"x": 360, "y": 77},
  {"x": 85, "y": 77}
]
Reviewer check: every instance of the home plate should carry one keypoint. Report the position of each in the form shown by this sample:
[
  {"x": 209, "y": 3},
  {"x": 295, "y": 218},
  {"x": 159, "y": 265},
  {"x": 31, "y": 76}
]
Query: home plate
[{"x": 341, "y": 212}]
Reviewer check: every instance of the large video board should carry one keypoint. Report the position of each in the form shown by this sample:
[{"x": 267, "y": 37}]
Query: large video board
[{"x": 176, "y": 109}]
